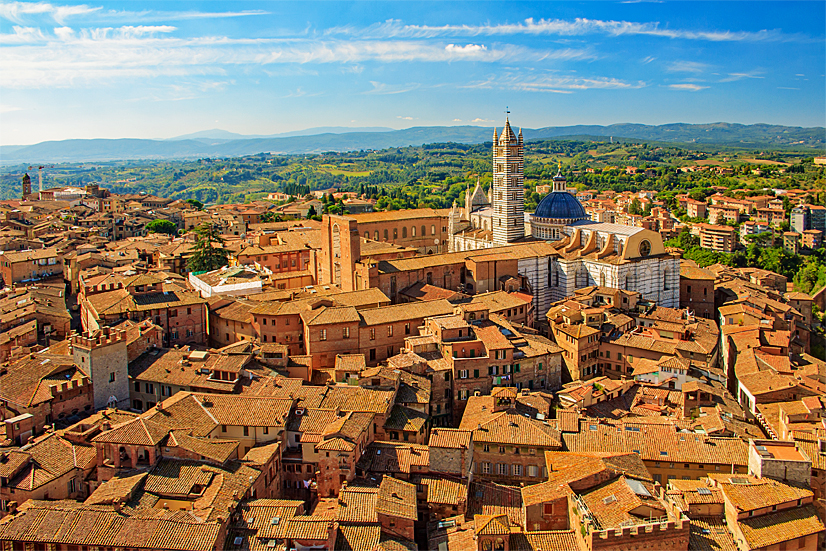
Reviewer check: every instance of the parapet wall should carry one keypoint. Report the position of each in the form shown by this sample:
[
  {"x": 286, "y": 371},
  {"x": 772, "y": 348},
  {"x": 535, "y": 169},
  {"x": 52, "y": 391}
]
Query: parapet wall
[
  {"x": 102, "y": 337},
  {"x": 670, "y": 535}
]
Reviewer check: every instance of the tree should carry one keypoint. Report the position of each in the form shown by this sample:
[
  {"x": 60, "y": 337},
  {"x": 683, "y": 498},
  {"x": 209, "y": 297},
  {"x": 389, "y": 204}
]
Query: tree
[
  {"x": 196, "y": 203},
  {"x": 206, "y": 256},
  {"x": 162, "y": 226},
  {"x": 311, "y": 212},
  {"x": 635, "y": 207}
]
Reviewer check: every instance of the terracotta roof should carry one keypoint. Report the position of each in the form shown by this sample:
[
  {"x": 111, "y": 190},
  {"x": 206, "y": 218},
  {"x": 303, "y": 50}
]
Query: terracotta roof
[
  {"x": 70, "y": 523},
  {"x": 357, "y": 537},
  {"x": 449, "y": 438},
  {"x": 774, "y": 528},
  {"x": 393, "y": 457},
  {"x": 443, "y": 491}
]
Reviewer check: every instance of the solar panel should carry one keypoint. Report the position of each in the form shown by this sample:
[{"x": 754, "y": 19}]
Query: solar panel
[{"x": 704, "y": 491}]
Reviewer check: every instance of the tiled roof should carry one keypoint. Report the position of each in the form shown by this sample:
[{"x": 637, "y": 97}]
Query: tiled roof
[
  {"x": 27, "y": 381},
  {"x": 612, "y": 503},
  {"x": 449, "y": 438},
  {"x": 393, "y": 457},
  {"x": 405, "y": 312},
  {"x": 556, "y": 540},
  {"x": 758, "y": 492},
  {"x": 357, "y": 537},
  {"x": 491, "y": 525},
  {"x": 510, "y": 429},
  {"x": 116, "y": 489},
  {"x": 405, "y": 419},
  {"x": 397, "y": 499},
  {"x": 710, "y": 534},
  {"x": 49, "y": 458},
  {"x": 443, "y": 491},
  {"x": 69, "y": 523},
  {"x": 774, "y": 528},
  {"x": 657, "y": 443}
]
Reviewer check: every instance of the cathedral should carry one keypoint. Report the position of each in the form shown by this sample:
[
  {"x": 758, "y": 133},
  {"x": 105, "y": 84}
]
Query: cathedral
[{"x": 586, "y": 252}]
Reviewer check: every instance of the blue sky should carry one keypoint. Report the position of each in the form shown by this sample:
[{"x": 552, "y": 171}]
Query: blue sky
[{"x": 161, "y": 69}]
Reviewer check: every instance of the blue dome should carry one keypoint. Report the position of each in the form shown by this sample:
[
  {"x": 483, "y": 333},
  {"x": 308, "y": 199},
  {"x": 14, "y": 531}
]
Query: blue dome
[{"x": 560, "y": 205}]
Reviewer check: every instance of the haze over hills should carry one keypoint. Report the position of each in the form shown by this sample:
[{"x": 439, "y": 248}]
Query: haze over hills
[
  {"x": 220, "y": 143},
  {"x": 218, "y": 134}
]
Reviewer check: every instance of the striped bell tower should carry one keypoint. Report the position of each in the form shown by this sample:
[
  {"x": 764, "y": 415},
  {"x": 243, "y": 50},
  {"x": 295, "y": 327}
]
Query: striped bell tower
[{"x": 508, "y": 186}]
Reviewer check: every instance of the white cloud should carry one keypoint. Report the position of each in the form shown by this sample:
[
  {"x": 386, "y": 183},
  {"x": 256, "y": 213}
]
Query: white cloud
[
  {"x": 579, "y": 26},
  {"x": 69, "y": 57},
  {"x": 405, "y": 118},
  {"x": 469, "y": 48},
  {"x": 22, "y": 35},
  {"x": 18, "y": 11},
  {"x": 732, "y": 77},
  {"x": 687, "y": 87},
  {"x": 380, "y": 88},
  {"x": 559, "y": 84},
  {"x": 648, "y": 60},
  {"x": 5, "y": 108},
  {"x": 481, "y": 120},
  {"x": 457, "y": 120},
  {"x": 687, "y": 67}
]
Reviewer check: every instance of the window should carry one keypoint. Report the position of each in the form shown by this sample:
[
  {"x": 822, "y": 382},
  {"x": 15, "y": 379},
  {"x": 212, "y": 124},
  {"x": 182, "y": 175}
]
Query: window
[
  {"x": 395, "y": 233},
  {"x": 413, "y": 230},
  {"x": 549, "y": 507},
  {"x": 189, "y": 311},
  {"x": 475, "y": 373},
  {"x": 407, "y": 328},
  {"x": 346, "y": 333},
  {"x": 266, "y": 430},
  {"x": 485, "y": 467},
  {"x": 501, "y": 449},
  {"x": 137, "y": 386},
  {"x": 246, "y": 431},
  {"x": 372, "y": 354},
  {"x": 517, "y": 469},
  {"x": 486, "y": 447},
  {"x": 389, "y": 330},
  {"x": 372, "y": 333},
  {"x": 432, "y": 230},
  {"x": 112, "y": 377},
  {"x": 385, "y": 235},
  {"x": 533, "y": 471},
  {"x": 463, "y": 395},
  {"x": 404, "y": 232},
  {"x": 463, "y": 373},
  {"x": 502, "y": 469},
  {"x": 323, "y": 335},
  {"x": 223, "y": 428},
  {"x": 150, "y": 388}
]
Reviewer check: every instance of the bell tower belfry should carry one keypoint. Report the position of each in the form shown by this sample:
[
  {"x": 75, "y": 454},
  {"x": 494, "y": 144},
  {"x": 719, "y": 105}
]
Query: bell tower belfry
[
  {"x": 508, "y": 186},
  {"x": 27, "y": 185}
]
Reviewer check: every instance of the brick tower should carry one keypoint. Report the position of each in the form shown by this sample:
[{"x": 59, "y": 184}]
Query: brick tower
[
  {"x": 27, "y": 185},
  {"x": 508, "y": 187},
  {"x": 102, "y": 355}
]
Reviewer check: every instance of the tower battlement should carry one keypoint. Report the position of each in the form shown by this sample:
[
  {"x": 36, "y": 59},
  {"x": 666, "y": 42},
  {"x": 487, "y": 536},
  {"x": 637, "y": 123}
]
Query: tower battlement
[{"x": 99, "y": 338}]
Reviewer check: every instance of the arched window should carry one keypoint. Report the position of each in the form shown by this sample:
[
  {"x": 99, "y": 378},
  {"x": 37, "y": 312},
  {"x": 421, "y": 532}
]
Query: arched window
[
  {"x": 385, "y": 235},
  {"x": 395, "y": 233},
  {"x": 413, "y": 229},
  {"x": 404, "y": 232},
  {"x": 367, "y": 235},
  {"x": 377, "y": 235},
  {"x": 602, "y": 279},
  {"x": 424, "y": 230},
  {"x": 432, "y": 229}
]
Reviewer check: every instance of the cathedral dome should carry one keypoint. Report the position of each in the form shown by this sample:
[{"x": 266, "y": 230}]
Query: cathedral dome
[{"x": 560, "y": 205}]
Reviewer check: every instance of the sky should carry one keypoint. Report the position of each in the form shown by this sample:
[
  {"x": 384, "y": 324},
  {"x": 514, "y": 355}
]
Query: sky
[{"x": 163, "y": 69}]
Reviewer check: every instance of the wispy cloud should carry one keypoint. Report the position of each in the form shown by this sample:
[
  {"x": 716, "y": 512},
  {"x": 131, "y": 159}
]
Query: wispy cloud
[
  {"x": 687, "y": 67},
  {"x": 5, "y": 108},
  {"x": 67, "y": 57},
  {"x": 647, "y": 60},
  {"x": 732, "y": 77},
  {"x": 381, "y": 88},
  {"x": 405, "y": 118},
  {"x": 481, "y": 120},
  {"x": 559, "y": 84},
  {"x": 687, "y": 87},
  {"x": 457, "y": 120},
  {"x": 300, "y": 92},
  {"x": 20, "y": 11},
  {"x": 561, "y": 27}
]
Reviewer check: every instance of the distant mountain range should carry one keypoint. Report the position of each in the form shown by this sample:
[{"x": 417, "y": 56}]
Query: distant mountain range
[{"x": 220, "y": 143}]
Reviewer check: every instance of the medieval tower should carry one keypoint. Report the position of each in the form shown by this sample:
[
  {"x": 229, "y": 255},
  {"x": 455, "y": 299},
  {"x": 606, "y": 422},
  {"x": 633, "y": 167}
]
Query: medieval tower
[
  {"x": 508, "y": 187},
  {"x": 27, "y": 185}
]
